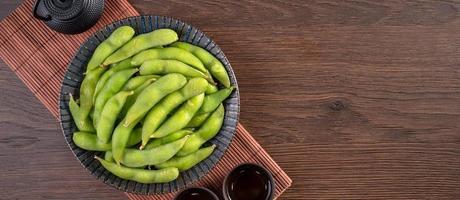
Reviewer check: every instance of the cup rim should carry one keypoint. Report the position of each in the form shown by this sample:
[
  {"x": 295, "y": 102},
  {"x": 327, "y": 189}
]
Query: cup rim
[
  {"x": 213, "y": 194},
  {"x": 252, "y": 165}
]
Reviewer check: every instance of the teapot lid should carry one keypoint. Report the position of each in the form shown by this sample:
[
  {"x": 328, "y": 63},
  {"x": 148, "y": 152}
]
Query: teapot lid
[{"x": 64, "y": 9}]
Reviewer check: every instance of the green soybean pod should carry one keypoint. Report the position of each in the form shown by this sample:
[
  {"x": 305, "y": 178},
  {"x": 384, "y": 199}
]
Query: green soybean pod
[
  {"x": 151, "y": 95},
  {"x": 167, "y": 139},
  {"x": 209, "y": 129},
  {"x": 113, "y": 85},
  {"x": 120, "y": 139},
  {"x": 84, "y": 125},
  {"x": 109, "y": 115},
  {"x": 198, "y": 120},
  {"x": 160, "y": 111},
  {"x": 131, "y": 99},
  {"x": 212, "y": 101},
  {"x": 210, "y": 62},
  {"x": 180, "y": 118},
  {"x": 141, "y": 42},
  {"x": 187, "y": 162},
  {"x": 117, "y": 39},
  {"x": 157, "y": 66},
  {"x": 134, "y": 137},
  {"x": 169, "y": 53},
  {"x": 137, "y": 81},
  {"x": 87, "y": 91},
  {"x": 125, "y": 64},
  {"x": 88, "y": 141},
  {"x": 108, "y": 156},
  {"x": 157, "y": 155},
  {"x": 141, "y": 175},
  {"x": 211, "y": 89}
]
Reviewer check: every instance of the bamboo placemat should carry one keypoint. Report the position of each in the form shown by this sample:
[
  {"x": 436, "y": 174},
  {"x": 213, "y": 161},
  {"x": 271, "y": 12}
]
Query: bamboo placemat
[{"x": 39, "y": 57}]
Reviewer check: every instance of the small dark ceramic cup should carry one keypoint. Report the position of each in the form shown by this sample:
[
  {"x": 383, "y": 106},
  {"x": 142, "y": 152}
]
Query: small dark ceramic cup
[
  {"x": 196, "y": 193},
  {"x": 248, "y": 181}
]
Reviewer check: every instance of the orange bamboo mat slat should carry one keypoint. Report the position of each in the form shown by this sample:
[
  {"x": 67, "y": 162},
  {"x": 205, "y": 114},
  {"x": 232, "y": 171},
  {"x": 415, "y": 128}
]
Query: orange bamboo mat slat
[{"x": 39, "y": 57}]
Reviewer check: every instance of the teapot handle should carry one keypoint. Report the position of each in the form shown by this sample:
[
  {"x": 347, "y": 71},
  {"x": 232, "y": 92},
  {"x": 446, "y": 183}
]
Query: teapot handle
[{"x": 39, "y": 6}]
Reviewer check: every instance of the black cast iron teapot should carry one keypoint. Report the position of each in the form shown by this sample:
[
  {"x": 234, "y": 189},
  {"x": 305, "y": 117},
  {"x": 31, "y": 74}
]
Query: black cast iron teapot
[{"x": 69, "y": 16}]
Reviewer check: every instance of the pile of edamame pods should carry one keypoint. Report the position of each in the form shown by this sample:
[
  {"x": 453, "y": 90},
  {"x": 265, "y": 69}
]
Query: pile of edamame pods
[{"x": 150, "y": 103}]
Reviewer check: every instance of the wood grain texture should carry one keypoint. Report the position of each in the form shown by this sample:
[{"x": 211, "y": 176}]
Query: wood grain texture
[{"x": 354, "y": 99}]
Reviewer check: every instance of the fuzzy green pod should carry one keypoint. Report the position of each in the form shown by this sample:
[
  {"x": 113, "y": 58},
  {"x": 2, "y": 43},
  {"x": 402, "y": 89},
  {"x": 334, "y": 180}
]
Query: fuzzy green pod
[
  {"x": 198, "y": 120},
  {"x": 180, "y": 118},
  {"x": 137, "y": 81},
  {"x": 212, "y": 101},
  {"x": 90, "y": 142},
  {"x": 113, "y": 85},
  {"x": 108, "y": 156},
  {"x": 139, "y": 158},
  {"x": 169, "y": 53},
  {"x": 109, "y": 115},
  {"x": 87, "y": 89},
  {"x": 125, "y": 64},
  {"x": 142, "y": 42},
  {"x": 211, "y": 89},
  {"x": 151, "y": 95},
  {"x": 207, "y": 131},
  {"x": 131, "y": 99},
  {"x": 159, "y": 112},
  {"x": 120, "y": 138},
  {"x": 84, "y": 125},
  {"x": 210, "y": 62},
  {"x": 187, "y": 162},
  {"x": 167, "y": 139},
  {"x": 141, "y": 175},
  {"x": 118, "y": 38},
  {"x": 157, "y": 66}
]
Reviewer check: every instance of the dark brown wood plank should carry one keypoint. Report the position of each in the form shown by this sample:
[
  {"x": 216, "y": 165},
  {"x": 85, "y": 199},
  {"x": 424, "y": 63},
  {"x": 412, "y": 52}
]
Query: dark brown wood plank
[{"x": 354, "y": 99}]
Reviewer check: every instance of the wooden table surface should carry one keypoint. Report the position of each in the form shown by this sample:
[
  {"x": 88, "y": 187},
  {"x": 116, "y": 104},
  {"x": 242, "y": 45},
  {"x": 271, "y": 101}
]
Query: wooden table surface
[{"x": 354, "y": 99}]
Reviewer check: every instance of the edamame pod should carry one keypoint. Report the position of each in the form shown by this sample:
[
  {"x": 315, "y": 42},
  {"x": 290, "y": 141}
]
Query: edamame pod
[
  {"x": 137, "y": 81},
  {"x": 109, "y": 115},
  {"x": 108, "y": 156},
  {"x": 87, "y": 91},
  {"x": 151, "y": 95},
  {"x": 161, "y": 110},
  {"x": 197, "y": 120},
  {"x": 167, "y": 139},
  {"x": 118, "y": 38},
  {"x": 187, "y": 162},
  {"x": 211, "y": 89},
  {"x": 134, "y": 137},
  {"x": 210, "y": 62},
  {"x": 209, "y": 129},
  {"x": 180, "y": 118},
  {"x": 113, "y": 85},
  {"x": 131, "y": 99},
  {"x": 90, "y": 142},
  {"x": 120, "y": 138},
  {"x": 141, "y": 175},
  {"x": 171, "y": 66},
  {"x": 141, "y": 42},
  {"x": 125, "y": 64},
  {"x": 169, "y": 53},
  {"x": 139, "y": 158},
  {"x": 84, "y": 125},
  {"x": 212, "y": 101}
]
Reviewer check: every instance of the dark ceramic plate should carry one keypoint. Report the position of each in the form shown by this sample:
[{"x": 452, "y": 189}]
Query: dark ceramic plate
[{"x": 74, "y": 77}]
